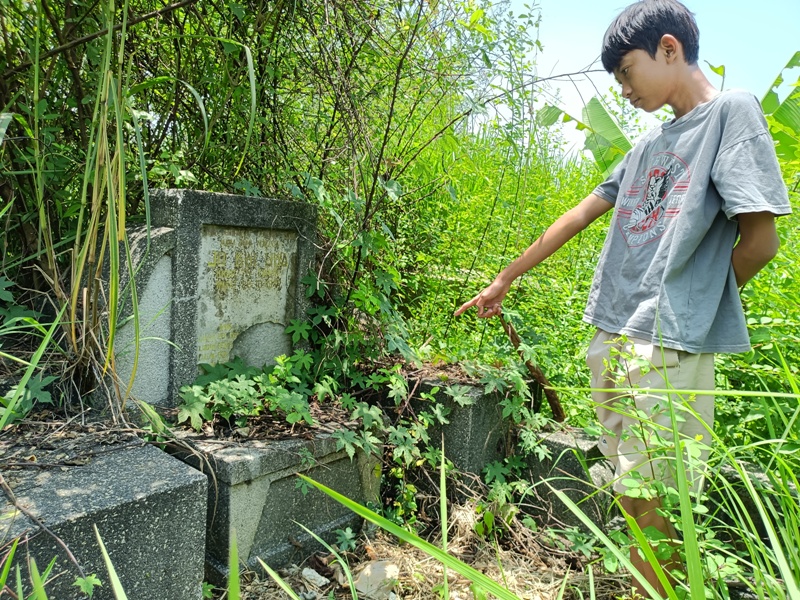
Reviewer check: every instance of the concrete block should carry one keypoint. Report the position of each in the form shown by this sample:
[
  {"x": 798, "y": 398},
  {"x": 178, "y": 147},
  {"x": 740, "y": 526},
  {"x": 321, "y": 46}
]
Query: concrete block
[
  {"x": 476, "y": 435},
  {"x": 577, "y": 468},
  {"x": 236, "y": 273},
  {"x": 150, "y": 510},
  {"x": 151, "y": 382},
  {"x": 152, "y": 263},
  {"x": 254, "y": 493}
]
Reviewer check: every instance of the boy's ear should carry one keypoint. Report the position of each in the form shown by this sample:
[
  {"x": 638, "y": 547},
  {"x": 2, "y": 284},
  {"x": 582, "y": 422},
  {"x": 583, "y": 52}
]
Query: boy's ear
[{"x": 670, "y": 46}]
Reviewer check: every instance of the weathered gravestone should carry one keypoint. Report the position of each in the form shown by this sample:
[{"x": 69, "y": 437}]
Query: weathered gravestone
[
  {"x": 218, "y": 277},
  {"x": 256, "y": 498}
]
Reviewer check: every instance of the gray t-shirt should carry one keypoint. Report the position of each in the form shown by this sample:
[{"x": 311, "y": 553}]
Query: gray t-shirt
[{"x": 665, "y": 271}]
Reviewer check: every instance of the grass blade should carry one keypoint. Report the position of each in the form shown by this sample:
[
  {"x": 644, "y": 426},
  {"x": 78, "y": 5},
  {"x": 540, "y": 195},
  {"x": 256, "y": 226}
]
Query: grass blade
[
  {"x": 277, "y": 579},
  {"x": 5, "y": 119},
  {"x": 38, "y": 583},
  {"x": 619, "y": 554},
  {"x": 342, "y": 562},
  {"x": 234, "y": 590},
  {"x": 694, "y": 563},
  {"x": 451, "y": 562},
  {"x": 9, "y": 558},
  {"x": 792, "y": 589},
  {"x": 443, "y": 512},
  {"x": 37, "y": 356},
  {"x": 116, "y": 586}
]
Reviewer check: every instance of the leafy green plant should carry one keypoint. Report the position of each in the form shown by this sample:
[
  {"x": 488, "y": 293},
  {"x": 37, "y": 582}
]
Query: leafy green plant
[
  {"x": 345, "y": 539},
  {"x": 235, "y": 392},
  {"x": 9, "y": 402},
  {"x": 783, "y": 117},
  {"x": 88, "y": 584},
  {"x": 208, "y": 591}
]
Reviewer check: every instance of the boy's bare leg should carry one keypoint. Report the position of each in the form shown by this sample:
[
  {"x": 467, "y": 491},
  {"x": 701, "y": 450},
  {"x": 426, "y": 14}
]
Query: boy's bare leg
[{"x": 646, "y": 515}]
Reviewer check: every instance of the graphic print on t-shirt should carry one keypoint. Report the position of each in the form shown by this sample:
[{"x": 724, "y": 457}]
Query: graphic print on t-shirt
[{"x": 654, "y": 198}]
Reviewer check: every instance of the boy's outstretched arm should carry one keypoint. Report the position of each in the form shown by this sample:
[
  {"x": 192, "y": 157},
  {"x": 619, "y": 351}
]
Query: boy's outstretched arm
[
  {"x": 758, "y": 244},
  {"x": 559, "y": 233}
]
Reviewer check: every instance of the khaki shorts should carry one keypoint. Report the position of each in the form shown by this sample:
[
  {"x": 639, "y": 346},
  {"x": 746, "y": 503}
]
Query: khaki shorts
[{"x": 638, "y": 435}]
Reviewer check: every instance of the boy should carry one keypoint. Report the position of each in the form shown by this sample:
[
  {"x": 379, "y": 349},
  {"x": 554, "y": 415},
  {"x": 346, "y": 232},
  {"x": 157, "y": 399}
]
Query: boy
[{"x": 665, "y": 292}]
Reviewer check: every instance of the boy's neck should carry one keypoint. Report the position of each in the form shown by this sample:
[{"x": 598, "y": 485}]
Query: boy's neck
[{"x": 691, "y": 90}]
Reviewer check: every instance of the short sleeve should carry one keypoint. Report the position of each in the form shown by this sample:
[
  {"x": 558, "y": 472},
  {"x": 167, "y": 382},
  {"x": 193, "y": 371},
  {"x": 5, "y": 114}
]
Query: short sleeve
[
  {"x": 609, "y": 189},
  {"x": 746, "y": 172}
]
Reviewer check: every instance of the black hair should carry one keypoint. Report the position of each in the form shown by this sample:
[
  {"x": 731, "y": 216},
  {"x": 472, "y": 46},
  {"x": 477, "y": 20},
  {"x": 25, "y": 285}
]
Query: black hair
[{"x": 641, "y": 26}]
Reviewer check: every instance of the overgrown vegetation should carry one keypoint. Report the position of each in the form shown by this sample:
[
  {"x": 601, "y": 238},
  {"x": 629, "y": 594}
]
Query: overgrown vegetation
[{"x": 420, "y": 132}]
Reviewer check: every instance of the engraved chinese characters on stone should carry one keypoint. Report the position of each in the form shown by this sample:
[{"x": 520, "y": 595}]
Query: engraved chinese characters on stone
[{"x": 246, "y": 293}]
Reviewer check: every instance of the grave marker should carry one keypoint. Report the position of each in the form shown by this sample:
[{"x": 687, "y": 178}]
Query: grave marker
[{"x": 234, "y": 286}]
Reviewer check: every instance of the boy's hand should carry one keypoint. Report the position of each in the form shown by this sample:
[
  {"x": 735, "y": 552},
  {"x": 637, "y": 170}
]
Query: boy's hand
[{"x": 489, "y": 301}]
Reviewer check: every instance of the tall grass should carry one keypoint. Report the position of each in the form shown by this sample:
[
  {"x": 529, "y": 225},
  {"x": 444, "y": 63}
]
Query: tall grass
[
  {"x": 81, "y": 270},
  {"x": 731, "y": 544},
  {"x": 70, "y": 174}
]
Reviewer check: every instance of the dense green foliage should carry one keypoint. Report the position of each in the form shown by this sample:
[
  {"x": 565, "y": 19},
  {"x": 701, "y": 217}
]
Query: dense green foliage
[
  {"x": 413, "y": 127},
  {"x": 419, "y": 131}
]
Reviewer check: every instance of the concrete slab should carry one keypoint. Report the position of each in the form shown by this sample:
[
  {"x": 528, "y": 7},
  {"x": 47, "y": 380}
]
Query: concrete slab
[
  {"x": 254, "y": 493},
  {"x": 152, "y": 262},
  {"x": 577, "y": 468},
  {"x": 150, "y": 510}
]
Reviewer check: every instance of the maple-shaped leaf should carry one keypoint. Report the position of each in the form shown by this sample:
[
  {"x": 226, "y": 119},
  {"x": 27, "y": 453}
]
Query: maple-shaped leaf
[
  {"x": 369, "y": 414},
  {"x": 35, "y": 389},
  {"x": 302, "y": 361},
  {"x": 461, "y": 394},
  {"x": 348, "y": 440},
  {"x": 496, "y": 471},
  {"x": 298, "y": 330},
  {"x": 197, "y": 412}
]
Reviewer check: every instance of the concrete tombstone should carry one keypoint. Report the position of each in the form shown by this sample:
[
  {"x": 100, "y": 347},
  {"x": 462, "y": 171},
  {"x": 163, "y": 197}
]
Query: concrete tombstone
[{"x": 220, "y": 277}]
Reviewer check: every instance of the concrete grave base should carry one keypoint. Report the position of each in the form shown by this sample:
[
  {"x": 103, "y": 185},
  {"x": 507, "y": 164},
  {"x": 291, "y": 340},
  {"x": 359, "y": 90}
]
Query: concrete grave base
[
  {"x": 149, "y": 509},
  {"x": 254, "y": 495},
  {"x": 578, "y": 469},
  {"x": 477, "y": 435}
]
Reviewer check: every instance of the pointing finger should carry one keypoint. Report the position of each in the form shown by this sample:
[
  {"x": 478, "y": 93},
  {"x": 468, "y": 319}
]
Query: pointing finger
[{"x": 465, "y": 306}]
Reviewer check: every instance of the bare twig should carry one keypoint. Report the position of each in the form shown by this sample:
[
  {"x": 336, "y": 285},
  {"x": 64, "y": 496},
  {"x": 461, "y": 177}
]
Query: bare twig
[{"x": 536, "y": 373}]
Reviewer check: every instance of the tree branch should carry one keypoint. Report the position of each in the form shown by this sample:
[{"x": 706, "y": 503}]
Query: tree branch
[{"x": 88, "y": 38}]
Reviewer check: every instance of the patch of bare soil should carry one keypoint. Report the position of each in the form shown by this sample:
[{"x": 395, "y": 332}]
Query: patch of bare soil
[{"x": 445, "y": 372}]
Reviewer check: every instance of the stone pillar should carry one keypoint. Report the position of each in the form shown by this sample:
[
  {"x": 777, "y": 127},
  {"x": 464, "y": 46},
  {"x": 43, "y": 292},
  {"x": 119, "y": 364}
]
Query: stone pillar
[{"x": 152, "y": 260}]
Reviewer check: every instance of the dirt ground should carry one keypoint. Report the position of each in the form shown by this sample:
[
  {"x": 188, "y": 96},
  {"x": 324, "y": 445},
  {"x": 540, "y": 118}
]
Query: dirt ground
[{"x": 532, "y": 572}]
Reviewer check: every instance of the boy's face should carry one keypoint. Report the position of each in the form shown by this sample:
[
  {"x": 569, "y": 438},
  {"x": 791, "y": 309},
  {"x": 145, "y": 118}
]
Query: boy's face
[{"x": 645, "y": 81}]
